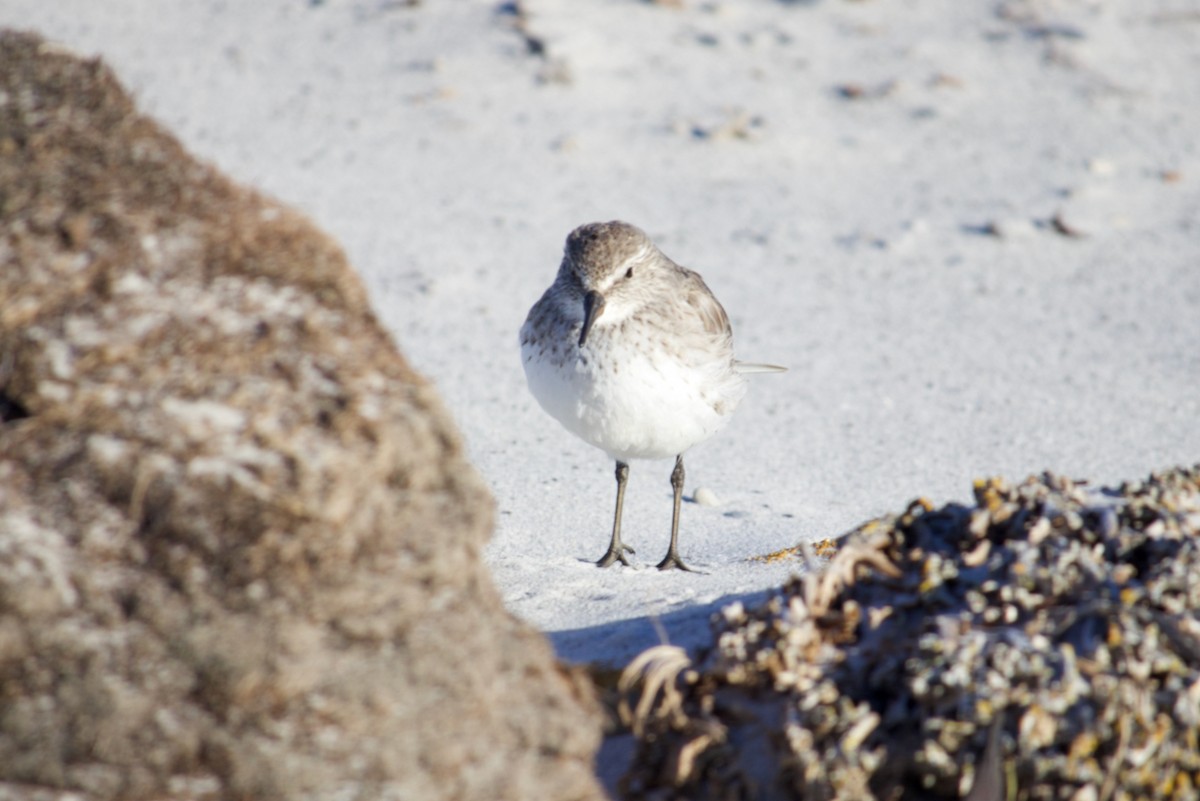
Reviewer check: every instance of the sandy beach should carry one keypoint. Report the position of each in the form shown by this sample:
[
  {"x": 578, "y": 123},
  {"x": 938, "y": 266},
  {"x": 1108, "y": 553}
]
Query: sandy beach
[{"x": 970, "y": 230}]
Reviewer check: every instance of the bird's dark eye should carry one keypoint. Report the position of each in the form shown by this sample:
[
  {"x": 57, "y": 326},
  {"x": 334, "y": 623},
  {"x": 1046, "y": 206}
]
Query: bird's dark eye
[{"x": 629, "y": 273}]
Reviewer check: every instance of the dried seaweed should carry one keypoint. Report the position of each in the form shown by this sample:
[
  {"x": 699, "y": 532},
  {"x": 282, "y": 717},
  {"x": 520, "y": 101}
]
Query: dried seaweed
[{"x": 1060, "y": 621}]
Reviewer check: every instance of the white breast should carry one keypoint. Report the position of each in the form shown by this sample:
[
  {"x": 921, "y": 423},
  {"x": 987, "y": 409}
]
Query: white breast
[{"x": 634, "y": 397}]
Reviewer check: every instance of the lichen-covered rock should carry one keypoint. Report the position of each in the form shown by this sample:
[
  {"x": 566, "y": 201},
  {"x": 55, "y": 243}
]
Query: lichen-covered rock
[{"x": 239, "y": 540}]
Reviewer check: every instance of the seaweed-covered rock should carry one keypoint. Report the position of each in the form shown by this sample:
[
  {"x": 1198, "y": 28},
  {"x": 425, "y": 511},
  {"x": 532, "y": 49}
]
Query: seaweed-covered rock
[
  {"x": 1055, "y": 626},
  {"x": 239, "y": 540}
]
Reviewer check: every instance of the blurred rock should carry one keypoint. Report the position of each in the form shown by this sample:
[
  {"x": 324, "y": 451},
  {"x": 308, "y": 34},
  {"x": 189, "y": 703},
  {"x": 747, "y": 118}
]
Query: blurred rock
[{"x": 239, "y": 540}]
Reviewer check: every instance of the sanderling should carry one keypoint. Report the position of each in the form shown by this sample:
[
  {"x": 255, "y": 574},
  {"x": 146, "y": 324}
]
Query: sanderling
[{"x": 632, "y": 354}]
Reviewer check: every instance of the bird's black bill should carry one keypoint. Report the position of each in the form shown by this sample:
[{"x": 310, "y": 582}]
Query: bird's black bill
[{"x": 593, "y": 305}]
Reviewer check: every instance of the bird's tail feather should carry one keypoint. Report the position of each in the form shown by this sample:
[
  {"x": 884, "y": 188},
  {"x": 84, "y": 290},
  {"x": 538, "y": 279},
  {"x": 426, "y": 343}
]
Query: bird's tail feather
[{"x": 751, "y": 367}]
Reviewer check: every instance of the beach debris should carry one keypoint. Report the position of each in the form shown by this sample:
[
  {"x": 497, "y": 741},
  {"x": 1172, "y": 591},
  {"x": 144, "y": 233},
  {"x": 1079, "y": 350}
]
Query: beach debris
[
  {"x": 807, "y": 551},
  {"x": 1005, "y": 228},
  {"x": 859, "y": 91},
  {"x": 1062, "y": 223},
  {"x": 943, "y": 80},
  {"x": 553, "y": 69},
  {"x": 1041, "y": 643},
  {"x": 730, "y": 123}
]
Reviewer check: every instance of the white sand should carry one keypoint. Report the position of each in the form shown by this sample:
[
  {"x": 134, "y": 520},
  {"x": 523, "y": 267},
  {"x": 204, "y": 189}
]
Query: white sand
[{"x": 844, "y": 235}]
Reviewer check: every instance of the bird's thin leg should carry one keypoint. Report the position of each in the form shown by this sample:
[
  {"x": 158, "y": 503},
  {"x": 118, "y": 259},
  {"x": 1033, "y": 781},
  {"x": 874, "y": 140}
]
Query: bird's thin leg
[
  {"x": 991, "y": 776},
  {"x": 616, "y": 548},
  {"x": 672, "y": 558}
]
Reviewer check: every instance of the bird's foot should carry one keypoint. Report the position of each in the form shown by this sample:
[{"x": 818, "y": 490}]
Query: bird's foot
[
  {"x": 616, "y": 553},
  {"x": 672, "y": 562}
]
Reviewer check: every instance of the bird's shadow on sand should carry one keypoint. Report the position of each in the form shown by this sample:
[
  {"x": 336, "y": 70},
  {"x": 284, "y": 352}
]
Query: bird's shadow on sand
[{"x": 615, "y": 643}]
